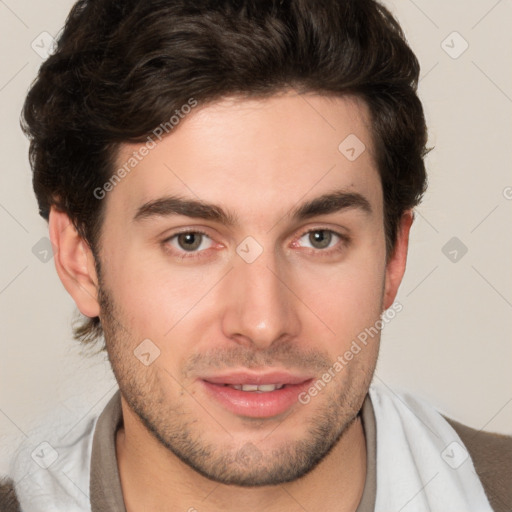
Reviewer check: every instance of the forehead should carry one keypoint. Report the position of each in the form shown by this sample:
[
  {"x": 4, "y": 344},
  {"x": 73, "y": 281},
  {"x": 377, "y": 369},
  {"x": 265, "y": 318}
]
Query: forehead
[{"x": 255, "y": 154}]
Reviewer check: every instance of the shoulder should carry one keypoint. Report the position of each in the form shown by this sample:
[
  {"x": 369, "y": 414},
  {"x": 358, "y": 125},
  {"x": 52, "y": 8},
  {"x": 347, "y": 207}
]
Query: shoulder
[
  {"x": 492, "y": 457},
  {"x": 50, "y": 468}
]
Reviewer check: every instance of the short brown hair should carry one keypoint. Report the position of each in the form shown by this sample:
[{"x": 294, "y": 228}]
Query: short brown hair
[{"x": 122, "y": 67}]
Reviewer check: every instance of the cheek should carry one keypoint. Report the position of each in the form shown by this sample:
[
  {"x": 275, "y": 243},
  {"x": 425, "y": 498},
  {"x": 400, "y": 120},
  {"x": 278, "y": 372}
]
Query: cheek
[
  {"x": 347, "y": 298},
  {"x": 153, "y": 303},
  {"x": 153, "y": 297}
]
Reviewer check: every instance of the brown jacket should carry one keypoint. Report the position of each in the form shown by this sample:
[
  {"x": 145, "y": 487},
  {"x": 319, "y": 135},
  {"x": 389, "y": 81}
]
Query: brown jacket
[
  {"x": 492, "y": 458},
  {"x": 8, "y": 500}
]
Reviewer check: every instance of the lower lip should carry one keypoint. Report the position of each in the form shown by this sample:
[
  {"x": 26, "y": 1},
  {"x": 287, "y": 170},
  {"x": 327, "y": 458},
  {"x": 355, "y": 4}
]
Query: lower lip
[{"x": 253, "y": 404}]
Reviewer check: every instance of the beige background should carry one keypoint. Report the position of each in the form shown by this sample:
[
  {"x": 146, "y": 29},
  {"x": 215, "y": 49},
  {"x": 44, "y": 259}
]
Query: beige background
[{"x": 451, "y": 344}]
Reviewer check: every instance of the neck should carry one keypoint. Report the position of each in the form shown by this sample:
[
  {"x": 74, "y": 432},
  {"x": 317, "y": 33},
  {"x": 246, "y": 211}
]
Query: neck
[{"x": 336, "y": 483}]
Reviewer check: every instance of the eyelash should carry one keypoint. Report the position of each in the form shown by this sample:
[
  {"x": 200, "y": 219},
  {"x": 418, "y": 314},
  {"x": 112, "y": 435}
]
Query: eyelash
[{"x": 343, "y": 243}]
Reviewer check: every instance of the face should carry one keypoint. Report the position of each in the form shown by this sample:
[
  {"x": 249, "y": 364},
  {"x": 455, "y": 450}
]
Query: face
[{"x": 240, "y": 259}]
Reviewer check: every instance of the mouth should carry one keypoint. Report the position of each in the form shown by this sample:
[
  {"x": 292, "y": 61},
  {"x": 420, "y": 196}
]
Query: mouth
[{"x": 253, "y": 395}]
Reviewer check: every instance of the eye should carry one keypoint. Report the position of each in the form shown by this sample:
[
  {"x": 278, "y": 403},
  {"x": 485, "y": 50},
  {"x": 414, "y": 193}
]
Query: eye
[
  {"x": 321, "y": 239},
  {"x": 190, "y": 241}
]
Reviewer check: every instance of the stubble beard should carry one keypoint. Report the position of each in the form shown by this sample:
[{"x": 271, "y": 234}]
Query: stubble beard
[{"x": 230, "y": 463}]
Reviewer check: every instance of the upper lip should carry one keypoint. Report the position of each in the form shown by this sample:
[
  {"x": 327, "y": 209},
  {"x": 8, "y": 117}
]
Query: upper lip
[{"x": 245, "y": 377}]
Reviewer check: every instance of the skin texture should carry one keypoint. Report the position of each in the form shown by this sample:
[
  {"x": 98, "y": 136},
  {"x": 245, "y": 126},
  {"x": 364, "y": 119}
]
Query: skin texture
[{"x": 296, "y": 307}]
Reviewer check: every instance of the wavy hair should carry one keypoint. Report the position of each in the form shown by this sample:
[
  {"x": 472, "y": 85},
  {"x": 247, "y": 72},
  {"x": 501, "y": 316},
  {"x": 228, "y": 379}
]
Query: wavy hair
[{"x": 122, "y": 67}]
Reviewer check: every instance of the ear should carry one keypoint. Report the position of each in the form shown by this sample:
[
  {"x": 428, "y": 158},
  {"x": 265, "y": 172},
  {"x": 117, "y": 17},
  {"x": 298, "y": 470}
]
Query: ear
[
  {"x": 74, "y": 262},
  {"x": 395, "y": 267}
]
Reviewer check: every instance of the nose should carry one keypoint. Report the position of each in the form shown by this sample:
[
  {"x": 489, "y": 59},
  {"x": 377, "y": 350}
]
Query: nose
[{"x": 260, "y": 306}]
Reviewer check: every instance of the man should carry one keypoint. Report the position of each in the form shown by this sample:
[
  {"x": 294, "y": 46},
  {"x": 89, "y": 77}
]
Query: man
[{"x": 230, "y": 188}]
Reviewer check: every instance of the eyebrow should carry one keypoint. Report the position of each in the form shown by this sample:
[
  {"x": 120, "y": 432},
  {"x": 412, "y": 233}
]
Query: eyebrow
[{"x": 325, "y": 204}]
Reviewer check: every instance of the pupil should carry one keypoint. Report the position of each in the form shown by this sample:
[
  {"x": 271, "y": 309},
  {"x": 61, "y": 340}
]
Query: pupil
[
  {"x": 320, "y": 239},
  {"x": 189, "y": 241}
]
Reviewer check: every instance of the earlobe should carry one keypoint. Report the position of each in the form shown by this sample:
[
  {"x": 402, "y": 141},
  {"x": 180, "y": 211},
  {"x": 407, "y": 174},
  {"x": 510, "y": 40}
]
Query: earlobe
[
  {"x": 395, "y": 267},
  {"x": 74, "y": 262}
]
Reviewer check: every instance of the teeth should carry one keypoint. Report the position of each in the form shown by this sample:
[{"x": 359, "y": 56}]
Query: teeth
[
  {"x": 269, "y": 387},
  {"x": 263, "y": 388}
]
